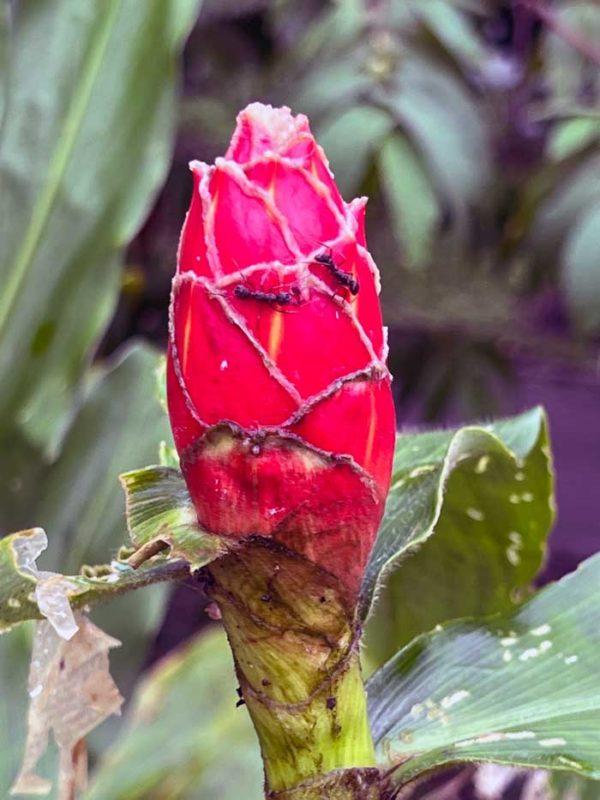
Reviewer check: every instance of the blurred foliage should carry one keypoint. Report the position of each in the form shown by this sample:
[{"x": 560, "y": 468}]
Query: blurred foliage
[
  {"x": 182, "y": 722},
  {"x": 87, "y": 116},
  {"x": 81, "y": 155}
]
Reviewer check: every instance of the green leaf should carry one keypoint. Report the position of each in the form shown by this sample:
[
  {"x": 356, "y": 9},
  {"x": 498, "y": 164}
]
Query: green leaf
[
  {"x": 86, "y": 144},
  {"x": 350, "y": 140},
  {"x": 575, "y": 192},
  {"x": 411, "y": 199},
  {"x": 581, "y": 269},
  {"x": 17, "y": 602},
  {"x": 464, "y": 529},
  {"x": 15, "y": 655},
  {"x": 4, "y": 62},
  {"x": 572, "y": 136},
  {"x": 566, "y": 68},
  {"x": 450, "y": 25},
  {"x": 184, "y": 737},
  {"x": 447, "y": 127},
  {"x": 159, "y": 508},
  {"x": 520, "y": 689},
  {"x": 569, "y": 786}
]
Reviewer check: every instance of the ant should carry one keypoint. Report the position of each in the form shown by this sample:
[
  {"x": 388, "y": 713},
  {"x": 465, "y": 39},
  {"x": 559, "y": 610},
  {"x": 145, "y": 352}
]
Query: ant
[
  {"x": 281, "y": 298},
  {"x": 347, "y": 280}
]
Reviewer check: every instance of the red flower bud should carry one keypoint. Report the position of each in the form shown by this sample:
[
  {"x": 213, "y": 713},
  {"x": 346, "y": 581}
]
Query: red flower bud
[{"x": 279, "y": 396}]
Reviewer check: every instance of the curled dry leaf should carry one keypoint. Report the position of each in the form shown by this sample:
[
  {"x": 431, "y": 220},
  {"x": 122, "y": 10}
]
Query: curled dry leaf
[
  {"x": 51, "y": 587},
  {"x": 71, "y": 692}
]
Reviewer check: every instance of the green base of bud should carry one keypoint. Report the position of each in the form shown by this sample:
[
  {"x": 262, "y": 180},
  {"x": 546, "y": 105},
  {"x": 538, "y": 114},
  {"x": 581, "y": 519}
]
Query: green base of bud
[{"x": 294, "y": 637}]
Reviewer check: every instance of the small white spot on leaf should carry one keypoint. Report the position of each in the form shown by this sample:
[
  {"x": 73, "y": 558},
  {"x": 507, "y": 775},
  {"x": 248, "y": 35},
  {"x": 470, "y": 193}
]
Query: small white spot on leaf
[
  {"x": 531, "y": 652},
  {"x": 490, "y": 738},
  {"x": 454, "y": 698},
  {"x": 482, "y": 465},
  {"x": 422, "y": 470},
  {"x": 541, "y": 630}
]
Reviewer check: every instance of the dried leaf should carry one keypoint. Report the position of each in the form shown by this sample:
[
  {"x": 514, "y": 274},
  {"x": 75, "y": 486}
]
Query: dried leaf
[
  {"x": 71, "y": 692},
  {"x": 51, "y": 588}
]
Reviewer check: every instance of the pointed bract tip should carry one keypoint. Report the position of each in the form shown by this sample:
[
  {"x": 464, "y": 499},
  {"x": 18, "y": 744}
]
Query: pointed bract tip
[{"x": 262, "y": 128}]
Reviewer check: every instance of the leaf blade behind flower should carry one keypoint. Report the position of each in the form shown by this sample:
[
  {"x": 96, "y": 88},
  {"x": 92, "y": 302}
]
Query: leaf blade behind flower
[
  {"x": 464, "y": 530},
  {"x": 518, "y": 689}
]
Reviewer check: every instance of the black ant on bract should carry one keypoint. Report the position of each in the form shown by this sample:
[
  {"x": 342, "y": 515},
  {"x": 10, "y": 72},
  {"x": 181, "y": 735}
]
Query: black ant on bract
[
  {"x": 273, "y": 298},
  {"x": 345, "y": 278},
  {"x": 244, "y": 293},
  {"x": 326, "y": 259}
]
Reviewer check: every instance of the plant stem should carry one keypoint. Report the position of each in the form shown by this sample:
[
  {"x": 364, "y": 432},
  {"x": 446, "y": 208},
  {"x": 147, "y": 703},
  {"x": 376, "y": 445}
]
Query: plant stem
[{"x": 294, "y": 637}]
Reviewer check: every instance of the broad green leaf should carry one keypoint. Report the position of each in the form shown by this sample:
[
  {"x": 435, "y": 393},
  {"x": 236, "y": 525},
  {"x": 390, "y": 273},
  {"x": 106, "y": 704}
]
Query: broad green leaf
[
  {"x": 86, "y": 144},
  {"x": 350, "y": 140},
  {"x": 410, "y": 198},
  {"x": 582, "y": 269},
  {"x": 519, "y": 689},
  {"x": 464, "y": 529},
  {"x": 184, "y": 737}
]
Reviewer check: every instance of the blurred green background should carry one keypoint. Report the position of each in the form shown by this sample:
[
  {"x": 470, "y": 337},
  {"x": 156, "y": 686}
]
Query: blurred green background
[{"x": 474, "y": 129}]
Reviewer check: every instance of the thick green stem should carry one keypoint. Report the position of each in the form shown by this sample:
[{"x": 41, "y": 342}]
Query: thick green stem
[{"x": 294, "y": 638}]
